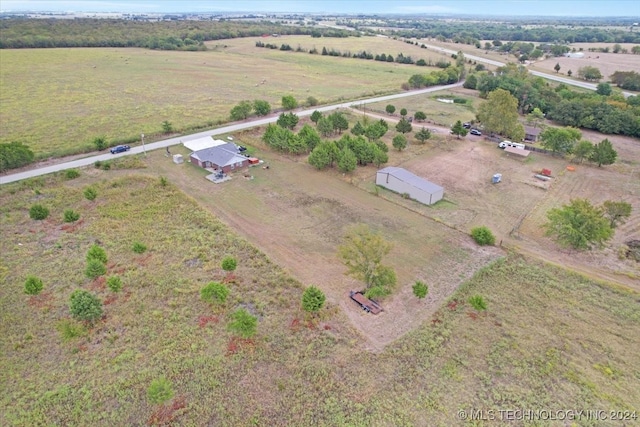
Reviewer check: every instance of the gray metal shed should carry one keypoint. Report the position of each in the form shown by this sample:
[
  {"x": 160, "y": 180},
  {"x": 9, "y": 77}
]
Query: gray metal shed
[{"x": 402, "y": 181}]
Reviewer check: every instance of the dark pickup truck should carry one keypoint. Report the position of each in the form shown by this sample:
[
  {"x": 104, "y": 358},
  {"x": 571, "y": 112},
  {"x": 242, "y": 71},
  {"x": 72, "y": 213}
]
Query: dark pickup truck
[{"x": 365, "y": 303}]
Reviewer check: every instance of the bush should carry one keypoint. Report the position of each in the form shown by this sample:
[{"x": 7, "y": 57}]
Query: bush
[
  {"x": 100, "y": 142},
  {"x": 90, "y": 193},
  {"x": 214, "y": 292},
  {"x": 71, "y": 216},
  {"x": 95, "y": 268},
  {"x": 420, "y": 289},
  {"x": 478, "y": 303},
  {"x": 72, "y": 173},
  {"x": 243, "y": 323},
  {"x": 483, "y": 236},
  {"x": 229, "y": 264},
  {"x": 96, "y": 252},
  {"x": 85, "y": 306},
  {"x": 139, "y": 247},
  {"x": 312, "y": 299},
  {"x": 159, "y": 391},
  {"x": 114, "y": 283},
  {"x": 14, "y": 155},
  {"x": 70, "y": 329},
  {"x": 33, "y": 286},
  {"x": 164, "y": 181},
  {"x": 38, "y": 212}
]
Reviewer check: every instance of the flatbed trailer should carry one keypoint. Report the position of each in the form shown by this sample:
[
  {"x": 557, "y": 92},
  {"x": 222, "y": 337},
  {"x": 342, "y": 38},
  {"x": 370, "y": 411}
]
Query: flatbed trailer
[{"x": 368, "y": 305}]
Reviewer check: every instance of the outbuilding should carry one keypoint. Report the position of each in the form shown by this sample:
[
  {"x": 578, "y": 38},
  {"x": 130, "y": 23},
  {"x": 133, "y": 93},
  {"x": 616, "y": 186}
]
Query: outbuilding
[
  {"x": 404, "y": 182},
  {"x": 225, "y": 158}
]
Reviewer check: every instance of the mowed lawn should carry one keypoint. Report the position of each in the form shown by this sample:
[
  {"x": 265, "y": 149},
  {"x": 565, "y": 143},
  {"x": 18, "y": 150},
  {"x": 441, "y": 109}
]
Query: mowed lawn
[
  {"x": 58, "y": 100},
  {"x": 549, "y": 340}
]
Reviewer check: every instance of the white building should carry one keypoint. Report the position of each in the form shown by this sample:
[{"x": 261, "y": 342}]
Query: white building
[{"x": 404, "y": 182}]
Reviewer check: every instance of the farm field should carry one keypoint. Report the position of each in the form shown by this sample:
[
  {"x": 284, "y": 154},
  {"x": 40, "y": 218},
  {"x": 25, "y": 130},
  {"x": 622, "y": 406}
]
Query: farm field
[
  {"x": 58, "y": 100},
  {"x": 549, "y": 339}
]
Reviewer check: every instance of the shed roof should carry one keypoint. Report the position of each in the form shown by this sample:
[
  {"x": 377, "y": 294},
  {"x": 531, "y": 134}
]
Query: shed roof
[
  {"x": 198, "y": 144},
  {"x": 529, "y": 130},
  {"x": 413, "y": 180},
  {"x": 221, "y": 155}
]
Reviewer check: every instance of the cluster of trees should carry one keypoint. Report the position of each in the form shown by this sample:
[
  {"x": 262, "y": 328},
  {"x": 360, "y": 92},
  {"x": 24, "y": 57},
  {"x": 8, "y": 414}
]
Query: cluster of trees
[
  {"x": 581, "y": 225},
  {"x": 612, "y": 114},
  {"x": 628, "y": 80},
  {"x": 442, "y": 77},
  {"x": 244, "y": 109},
  {"x": 567, "y": 141},
  {"x": 171, "y": 35},
  {"x": 14, "y": 155},
  {"x": 347, "y": 153},
  {"x": 285, "y": 140}
]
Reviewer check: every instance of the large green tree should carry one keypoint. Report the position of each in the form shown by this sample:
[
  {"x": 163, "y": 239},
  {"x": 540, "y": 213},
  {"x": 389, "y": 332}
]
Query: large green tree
[
  {"x": 423, "y": 134},
  {"x": 616, "y": 212},
  {"x": 399, "y": 142},
  {"x": 261, "y": 107},
  {"x": 560, "y": 140},
  {"x": 347, "y": 161},
  {"x": 361, "y": 252},
  {"x": 404, "y": 126},
  {"x": 582, "y": 150},
  {"x": 499, "y": 114},
  {"x": 579, "y": 225},
  {"x": 603, "y": 153}
]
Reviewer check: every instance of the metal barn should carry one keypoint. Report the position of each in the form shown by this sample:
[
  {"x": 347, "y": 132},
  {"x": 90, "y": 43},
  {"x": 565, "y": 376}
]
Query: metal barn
[{"x": 404, "y": 182}]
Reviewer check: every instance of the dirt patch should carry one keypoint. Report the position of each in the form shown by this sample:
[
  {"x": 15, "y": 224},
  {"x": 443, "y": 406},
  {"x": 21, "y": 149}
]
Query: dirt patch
[{"x": 607, "y": 63}]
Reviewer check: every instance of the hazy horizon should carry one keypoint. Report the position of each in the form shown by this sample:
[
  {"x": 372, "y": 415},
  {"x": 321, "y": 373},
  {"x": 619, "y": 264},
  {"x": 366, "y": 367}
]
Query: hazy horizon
[{"x": 563, "y": 8}]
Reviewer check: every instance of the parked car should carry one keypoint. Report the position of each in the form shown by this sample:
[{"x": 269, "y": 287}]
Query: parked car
[
  {"x": 475, "y": 132},
  {"x": 466, "y": 125},
  {"x": 120, "y": 149},
  {"x": 241, "y": 148}
]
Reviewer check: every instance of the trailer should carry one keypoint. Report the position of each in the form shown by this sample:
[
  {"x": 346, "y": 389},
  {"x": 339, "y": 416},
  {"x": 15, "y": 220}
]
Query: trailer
[{"x": 368, "y": 305}]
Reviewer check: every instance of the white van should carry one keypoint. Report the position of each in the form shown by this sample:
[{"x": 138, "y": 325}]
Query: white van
[{"x": 505, "y": 144}]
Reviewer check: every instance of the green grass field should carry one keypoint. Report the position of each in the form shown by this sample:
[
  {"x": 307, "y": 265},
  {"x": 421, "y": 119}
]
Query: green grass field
[
  {"x": 548, "y": 339},
  {"x": 58, "y": 100}
]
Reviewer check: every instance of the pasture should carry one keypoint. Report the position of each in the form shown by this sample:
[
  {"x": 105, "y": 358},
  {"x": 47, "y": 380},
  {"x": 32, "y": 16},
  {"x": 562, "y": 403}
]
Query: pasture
[
  {"x": 58, "y": 100},
  {"x": 548, "y": 340}
]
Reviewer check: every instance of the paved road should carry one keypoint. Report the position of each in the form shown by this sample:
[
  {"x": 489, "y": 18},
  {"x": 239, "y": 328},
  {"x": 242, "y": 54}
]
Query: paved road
[
  {"x": 585, "y": 85},
  {"x": 218, "y": 131}
]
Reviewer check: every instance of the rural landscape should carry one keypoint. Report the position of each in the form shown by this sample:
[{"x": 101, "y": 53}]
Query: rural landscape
[{"x": 292, "y": 286}]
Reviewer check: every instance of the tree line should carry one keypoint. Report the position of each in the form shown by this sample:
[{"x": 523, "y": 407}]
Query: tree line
[
  {"x": 165, "y": 35},
  {"x": 465, "y": 32}
]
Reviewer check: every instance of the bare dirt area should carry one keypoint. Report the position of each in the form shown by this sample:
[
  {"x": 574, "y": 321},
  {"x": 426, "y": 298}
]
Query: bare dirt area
[{"x": 607, "y": 63}]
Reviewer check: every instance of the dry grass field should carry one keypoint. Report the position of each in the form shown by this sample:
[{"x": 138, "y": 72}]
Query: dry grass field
[
  {"x": 58, "y": 100},
  {"x": 607, "y": 63},
  {"x": 549, "y": 339}
]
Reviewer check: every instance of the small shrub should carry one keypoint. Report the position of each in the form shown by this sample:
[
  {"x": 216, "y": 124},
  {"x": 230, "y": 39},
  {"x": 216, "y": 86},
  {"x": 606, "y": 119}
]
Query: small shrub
[
  {"x": 72, "y": 173},
  {"x": 85, "y": 306},
  {"x": 483, "y": 236},
  {"x": 95, "y": 268},
  {"x": 38, "y": 212},
  {"x": 98, "y": 164},
  {"x": 243, "y": 323},
  {"x": 90, "y": 193},
  {"x": 420, "y": 289},
  {"x": 69, "y": 329},
  {"x": 100, "y": 142},
  {"x": 71, "y": 216},
  {"x": 406, "y": 196},
  {"x": 33, "y": 285},
  {"x": 164, "y": 181},
  {"x": 214, "y": 291},
  {"x": 139, "y": 248},
  {"x": 96, "y": 252},
  {"x": 159, "y": 391},
  {"x": 478, "y": 302},
  {"x": 106, "y": 166},
  {"x": 229, "y": 264},
  {"x": 114, "y": 283},
  {"x": 312, "y": 299}
]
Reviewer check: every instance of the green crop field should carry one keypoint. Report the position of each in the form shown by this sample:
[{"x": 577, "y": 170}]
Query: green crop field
[
  {"x": 549, "y": 340},
  {"x": 58, "y": 100}
]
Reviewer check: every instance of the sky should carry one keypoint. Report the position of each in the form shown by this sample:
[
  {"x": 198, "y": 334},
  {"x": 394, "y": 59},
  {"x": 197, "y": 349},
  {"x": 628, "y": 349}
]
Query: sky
[{"x": 586, "y": 8}]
